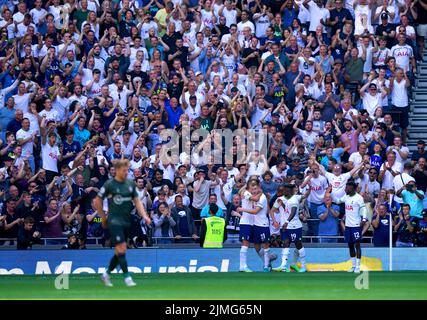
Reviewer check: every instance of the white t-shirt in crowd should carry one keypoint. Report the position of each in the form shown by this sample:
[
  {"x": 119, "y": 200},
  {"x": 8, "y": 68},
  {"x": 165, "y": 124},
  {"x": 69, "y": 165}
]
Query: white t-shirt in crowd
[
  {"x": 388, "y": 178},
  {"x": 230, "y": 16},
  {"x": 50, "y": 157},
  {"x": 399, "y": 159},
  {"x": 371, "y": 103},
  {"x": 338, "y": 185},
  {"x": 399, "y": 94},
  {"x": 356, "y": 158},
  {"x": 22, "y": 102},
  {"x": 27, "y": 148},
  {"x": 316, "y": 14},
  {"x": 278, "y": 175}
]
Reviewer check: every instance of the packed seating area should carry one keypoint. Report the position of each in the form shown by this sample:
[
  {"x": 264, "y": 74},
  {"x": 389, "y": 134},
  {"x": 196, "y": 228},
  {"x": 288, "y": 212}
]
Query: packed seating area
[{"x": 327, "y": 85}]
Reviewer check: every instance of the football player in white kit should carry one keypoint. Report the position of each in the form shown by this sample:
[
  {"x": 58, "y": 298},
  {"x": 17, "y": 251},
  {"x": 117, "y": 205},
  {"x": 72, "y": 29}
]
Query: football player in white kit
[
  {"x": 246, "y": 224},
  {"x": 356, "y": 224},
  {"x": 261, "y": 229},
  {"x": 291, "y": 227}
]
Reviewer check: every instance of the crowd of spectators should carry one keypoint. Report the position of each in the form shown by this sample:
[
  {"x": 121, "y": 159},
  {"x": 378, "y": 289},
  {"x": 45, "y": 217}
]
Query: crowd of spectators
[{"x": 87, "y": 82}]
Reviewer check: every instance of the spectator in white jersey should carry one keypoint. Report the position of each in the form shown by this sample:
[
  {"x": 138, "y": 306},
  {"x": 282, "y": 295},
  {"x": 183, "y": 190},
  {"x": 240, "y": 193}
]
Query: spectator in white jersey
[{"x": 299, "y": 66}]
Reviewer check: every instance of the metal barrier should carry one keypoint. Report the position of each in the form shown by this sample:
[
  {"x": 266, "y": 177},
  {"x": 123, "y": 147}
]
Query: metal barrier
[
  {"x": 171, "y": 240},
  {"x": 90, "y": 240},
  {"x": 157, "y": 240}
]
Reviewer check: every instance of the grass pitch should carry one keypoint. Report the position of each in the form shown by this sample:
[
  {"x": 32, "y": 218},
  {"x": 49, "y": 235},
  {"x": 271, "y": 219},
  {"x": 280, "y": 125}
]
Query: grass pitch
[{"x": 266, "y": 286}]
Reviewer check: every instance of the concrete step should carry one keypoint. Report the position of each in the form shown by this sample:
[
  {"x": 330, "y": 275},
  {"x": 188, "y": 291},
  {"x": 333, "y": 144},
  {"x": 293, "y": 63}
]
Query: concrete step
[
  {"x": 418, "y": 122},
  {"x": 418, "y": 107},
  {"x": 418, "y": 113},
  {"x": 418, "y": 135}
]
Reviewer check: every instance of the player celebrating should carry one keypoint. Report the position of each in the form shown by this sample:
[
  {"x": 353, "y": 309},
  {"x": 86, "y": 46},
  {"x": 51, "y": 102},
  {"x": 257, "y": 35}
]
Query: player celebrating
[
  {"x": 246, "y": 228},
  {"x": 355, "y": 227},
  {"x": 291, "y": 226},
  {"x": 261, "y": 230},
  {"x": 121, "y": 194}
]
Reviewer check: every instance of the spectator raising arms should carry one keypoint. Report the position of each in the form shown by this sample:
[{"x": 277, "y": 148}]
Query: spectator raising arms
[{"x": 315, "y": 94}]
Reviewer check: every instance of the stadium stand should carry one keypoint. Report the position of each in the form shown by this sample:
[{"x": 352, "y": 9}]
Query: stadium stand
[{"x": 335, "y": 86}]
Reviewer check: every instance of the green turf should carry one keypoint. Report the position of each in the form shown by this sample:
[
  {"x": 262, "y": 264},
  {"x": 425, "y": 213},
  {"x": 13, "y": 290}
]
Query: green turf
[{"x": 314, "y": 285}]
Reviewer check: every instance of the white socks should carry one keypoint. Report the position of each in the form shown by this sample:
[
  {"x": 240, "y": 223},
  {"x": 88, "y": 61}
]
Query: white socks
[
  {"x": 357, "y": 263},
  {"x": 285, "y": 254},
  {"x": 243, "y": 255},
  {"x": 266, "y": 257},
  {"x": 301, "y": 253},
  {"x": 353, "y": 262}
]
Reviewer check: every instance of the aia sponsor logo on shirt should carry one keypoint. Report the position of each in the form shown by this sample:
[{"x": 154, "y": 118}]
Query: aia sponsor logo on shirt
[
  {"x": 402, "y": 54},
  {"x": 349, "y": 207},
  {"x": 53, "y": 156}
]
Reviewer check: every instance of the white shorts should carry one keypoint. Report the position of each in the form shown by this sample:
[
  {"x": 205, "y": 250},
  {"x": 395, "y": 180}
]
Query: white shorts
[{"x": 422, "y": 30}]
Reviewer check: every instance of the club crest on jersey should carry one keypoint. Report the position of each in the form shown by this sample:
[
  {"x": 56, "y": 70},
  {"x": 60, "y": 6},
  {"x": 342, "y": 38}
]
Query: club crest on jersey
[{"x": 349, "y": 207}]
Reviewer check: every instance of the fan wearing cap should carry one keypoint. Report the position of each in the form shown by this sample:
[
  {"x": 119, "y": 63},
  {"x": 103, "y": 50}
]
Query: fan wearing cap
[
  {"x": 356, "y": 223},
  {"x": 373, "y": 98},
  {"x": 386, "y": 30}
]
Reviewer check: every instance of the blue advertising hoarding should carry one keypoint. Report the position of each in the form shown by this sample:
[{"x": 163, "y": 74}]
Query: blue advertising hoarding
[{"x": 152, "y": 260}]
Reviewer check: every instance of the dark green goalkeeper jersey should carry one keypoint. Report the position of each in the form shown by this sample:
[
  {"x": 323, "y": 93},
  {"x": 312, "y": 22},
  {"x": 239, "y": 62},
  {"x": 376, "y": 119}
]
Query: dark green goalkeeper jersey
[{"x": 119, "y": 195}]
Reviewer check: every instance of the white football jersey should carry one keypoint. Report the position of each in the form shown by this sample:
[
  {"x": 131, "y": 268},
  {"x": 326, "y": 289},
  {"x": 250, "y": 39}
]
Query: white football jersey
[
  {"x": 290, "y": 203},
  {"x": 318, "y": 188},
  {"x": 338, "y": 185},
  {"x": 247, "y": 218},
  {"x": 261, "y": 218},
  {"x": 355, "y": 209}
]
